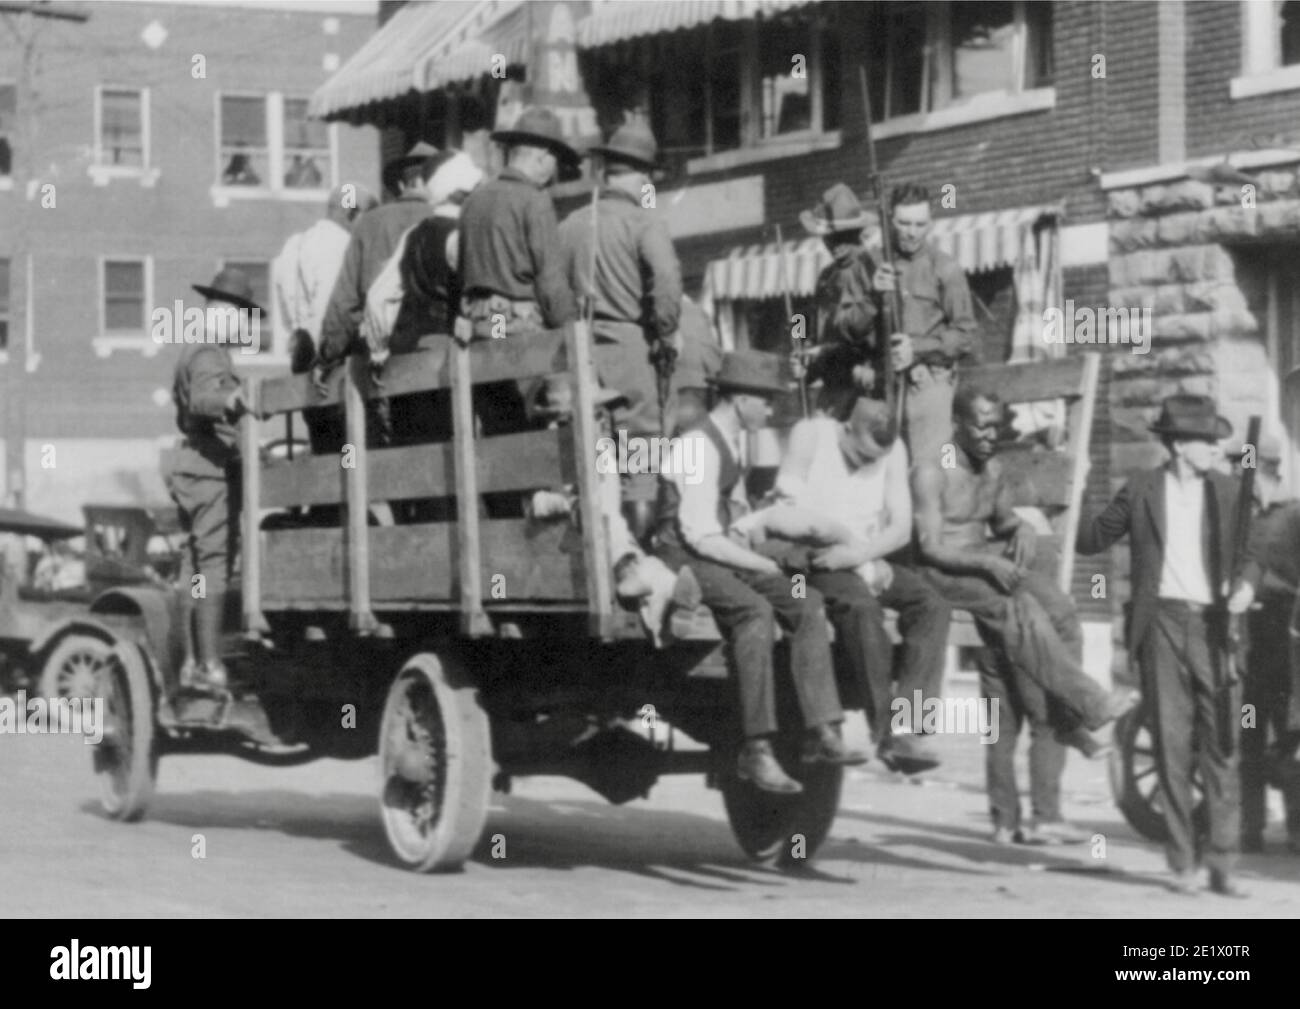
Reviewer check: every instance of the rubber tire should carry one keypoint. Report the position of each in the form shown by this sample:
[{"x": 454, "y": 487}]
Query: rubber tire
[
  {"x": 126, "y": 786},
  {"x": 765, "y": 825},
  {"x": 64, "y": 651},
  {"x": 466, "y": 760},
  {"x": 1136, "y": 796}
]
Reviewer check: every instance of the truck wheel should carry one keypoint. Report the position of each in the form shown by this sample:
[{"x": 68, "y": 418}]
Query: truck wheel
[
  {"x": 126, "y": 759},
  {"x": 1134, "y": 781},
  {"x": 435, "y": 765},
  {"x": 74, "y": 667},
  {"x": 783, "y": 831}
]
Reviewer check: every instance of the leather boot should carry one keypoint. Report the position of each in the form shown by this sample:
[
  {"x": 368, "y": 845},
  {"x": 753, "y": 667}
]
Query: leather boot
[
  {"x": 758, "y": 765},
  {"x": 209, "y": 616},
  {"x": 823, "y": 745}
]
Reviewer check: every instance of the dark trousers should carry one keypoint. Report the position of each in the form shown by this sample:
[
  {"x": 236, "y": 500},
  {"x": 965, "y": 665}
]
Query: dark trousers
[
  {"x": 859, "y": 621},
  {"x": 1178, "y": 667},
  {"x": 746, "y": 607},
  {"x": 1267, "y": 687},
  {"x": 1030, "y": 635}
]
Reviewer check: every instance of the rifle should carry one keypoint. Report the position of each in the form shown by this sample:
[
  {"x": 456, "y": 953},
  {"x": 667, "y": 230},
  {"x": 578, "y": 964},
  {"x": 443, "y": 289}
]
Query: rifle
[
  {"x": 891, "y": 308},
  {"x": 789, "y": 314},
  {"x": 1229, "y": 673}
]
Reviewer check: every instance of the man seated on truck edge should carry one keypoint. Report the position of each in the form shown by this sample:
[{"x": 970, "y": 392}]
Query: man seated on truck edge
[{"x": 746, "y": 591}]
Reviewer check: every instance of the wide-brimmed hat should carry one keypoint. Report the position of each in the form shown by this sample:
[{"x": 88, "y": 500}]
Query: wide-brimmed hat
[
  {"x": 231, "y": 285},
  {"x": 1187, "y": 416},
  {"x": 870, "y": 427},
  {"x": 632, "y": 144},
  {"x": 839, "y": 210},
  {"x": 754, "y": 371},
  {"x": 538, "y": 127},
  {"x": 419, "y": 153}
]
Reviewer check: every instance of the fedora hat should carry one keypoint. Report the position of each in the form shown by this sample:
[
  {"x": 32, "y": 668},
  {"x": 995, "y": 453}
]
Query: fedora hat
[
  {"x": 1187, "y": 416},
  {"x": 422, "y": 151},
  {"x": 538, "y": 127},
  {"x": 753, "y": 371},
  {"x": 231, "y": 285},
  {"x": 839, "y": 210},
  {"x": 632, "y": 144}
]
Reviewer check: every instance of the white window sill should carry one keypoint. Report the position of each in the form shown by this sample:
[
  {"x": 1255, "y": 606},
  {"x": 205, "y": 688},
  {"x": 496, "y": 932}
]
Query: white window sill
[
  {"x": 102, "y": 175},
  {"x": 222, "y": 195},
  {"x": 994, "y": 105},
  {"x": 766, "y": 150},
  {"x": 1268, "y": 82},
  {"x": 105, "y": 344}
]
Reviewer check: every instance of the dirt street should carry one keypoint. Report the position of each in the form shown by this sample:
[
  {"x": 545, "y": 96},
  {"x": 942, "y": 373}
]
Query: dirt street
[{"x": 307, "y": 841}]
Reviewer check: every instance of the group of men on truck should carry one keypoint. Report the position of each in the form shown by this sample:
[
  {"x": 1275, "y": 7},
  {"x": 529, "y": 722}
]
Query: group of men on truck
[{"x": 885, "y": 498}]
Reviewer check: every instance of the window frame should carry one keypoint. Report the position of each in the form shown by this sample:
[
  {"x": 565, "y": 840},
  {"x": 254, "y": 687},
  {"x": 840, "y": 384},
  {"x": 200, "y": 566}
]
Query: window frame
[
  {"x": 102, "y": 172},
  {"x": 105, "y": 341},
  {"x": 7, "y": 179},
  {"x": 272, "y": 188},
  {"x": 1261, "y": 70}
]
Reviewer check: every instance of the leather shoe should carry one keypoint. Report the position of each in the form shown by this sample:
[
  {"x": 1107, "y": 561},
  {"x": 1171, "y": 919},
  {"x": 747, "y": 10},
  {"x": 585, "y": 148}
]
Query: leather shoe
[
  {"x": 907, "y": 754},
  {"x": 1185, "y": 884},
  {"x": 1086, "y": 743},
  {"x": 824, "y": 746},
  {"x": 1056, "y": 832},
  {"x": 1222, "y": 884},
  {"x": 1120, "y": 702},
  {"x": 758, "y": 765}
]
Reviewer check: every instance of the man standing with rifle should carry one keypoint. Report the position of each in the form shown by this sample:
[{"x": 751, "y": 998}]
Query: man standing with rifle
[{"x": 1187, "y": 544}]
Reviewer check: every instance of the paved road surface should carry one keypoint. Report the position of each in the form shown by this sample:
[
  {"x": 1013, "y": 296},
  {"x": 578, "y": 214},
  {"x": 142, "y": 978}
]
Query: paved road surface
[{"x": 306, "y": 841}]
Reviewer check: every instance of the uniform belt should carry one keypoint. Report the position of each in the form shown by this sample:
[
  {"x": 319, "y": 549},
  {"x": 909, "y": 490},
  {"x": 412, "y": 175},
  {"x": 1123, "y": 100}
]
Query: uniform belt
[
  {"x": 1186, "y": 605},
  {"x": 484, "y": 306}
]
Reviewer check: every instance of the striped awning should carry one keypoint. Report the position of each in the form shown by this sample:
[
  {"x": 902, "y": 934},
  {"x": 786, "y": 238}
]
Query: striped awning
[
  {"x": 991, "y": 240},
  {"x": 385, "y": 66},
  {"x": 978, "y": 242},
  {"x": 499, "y": 27},
  {"x": 615, "y": 20}
]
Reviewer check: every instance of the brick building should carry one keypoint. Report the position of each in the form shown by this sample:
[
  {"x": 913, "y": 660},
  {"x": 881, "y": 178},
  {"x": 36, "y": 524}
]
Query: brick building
[
  {"x": 1075, "y": 142},
  {"x": 167, "y": 140}
]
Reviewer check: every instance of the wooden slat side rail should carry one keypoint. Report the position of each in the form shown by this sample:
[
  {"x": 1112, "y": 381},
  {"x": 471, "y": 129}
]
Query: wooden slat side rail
[
  {"x": 253, "y": 622},
  {"x": 600, "y": 593},
  {"x": 521, "y": 461},
  {"x": 542, "y": 353},
  {"x": 469, "y": 553},
  {"x": 360, "y": 617},
  {"x": 1046, "y": 473},
  {"x": 536, "y": 562},
  {"x": 1080, "y": 445},
  {"x": 1029, "y": 383}
]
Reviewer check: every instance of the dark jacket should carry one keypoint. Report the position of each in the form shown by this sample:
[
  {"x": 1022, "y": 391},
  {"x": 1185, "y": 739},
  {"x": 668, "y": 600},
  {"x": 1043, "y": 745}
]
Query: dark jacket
[
  {"x": 1138, "y": 510},
  {"x": 203, "y": 383}
]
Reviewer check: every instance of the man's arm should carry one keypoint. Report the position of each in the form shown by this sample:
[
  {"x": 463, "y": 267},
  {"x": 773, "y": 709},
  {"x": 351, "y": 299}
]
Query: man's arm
[
  {"x": 796, "y": 464},
  {"x": 663, "y": 288},
  {"x": 956, "y": 338},
  {"x": 554, "y": 296},
  {"x": 346, "y": 305},
  {"x": 927, "y": 496},
  {"x": 697, "y": 516},
  {"x": 1098, "y": 533},
  {"x": 213, "y": 386}
]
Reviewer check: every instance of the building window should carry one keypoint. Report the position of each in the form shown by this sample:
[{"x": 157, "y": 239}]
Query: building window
[
  {"x": 122, "y": 139},
  {"x": 936, "y": 56},
  {"x": 8, "y": 127},
  {"x": 258, "y": 272},
  {"x": 267, "y": 145},
  {"x": 125, "y": 298},
  {"x": 4, "y": 305}
]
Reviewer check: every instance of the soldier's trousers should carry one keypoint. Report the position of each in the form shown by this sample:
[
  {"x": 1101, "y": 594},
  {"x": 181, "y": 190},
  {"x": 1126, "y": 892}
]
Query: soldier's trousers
[
  {"x": 1267, "y": 687},
  {"x": 927, "y": 411},
  {"x": 622, "y": 358},
  {"x": 1178, "y": 677},
  {"x": 209, "y": 508}
]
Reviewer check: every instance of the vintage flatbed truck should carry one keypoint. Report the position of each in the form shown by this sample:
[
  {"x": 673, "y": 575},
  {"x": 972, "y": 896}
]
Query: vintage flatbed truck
[{"x": 465, "y": 652}]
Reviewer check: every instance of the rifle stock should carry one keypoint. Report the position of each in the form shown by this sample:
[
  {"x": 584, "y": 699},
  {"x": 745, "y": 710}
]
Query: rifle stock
[{"x": 891, "y": 314}]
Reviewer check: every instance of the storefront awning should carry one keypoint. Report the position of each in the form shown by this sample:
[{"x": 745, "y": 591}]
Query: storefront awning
[
  {"x": 615, "y": 20},
  {"x": 385, "y": 66},
  {"x": 978, "y": 242},
  {"x": 500, "y": 27},
  {"x": 988, "y": 241}
]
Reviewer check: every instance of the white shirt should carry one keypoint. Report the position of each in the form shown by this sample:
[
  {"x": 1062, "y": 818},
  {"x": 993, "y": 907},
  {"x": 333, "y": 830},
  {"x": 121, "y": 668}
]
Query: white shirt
[
  {"x": 303, "y": 275},
  {"x": 1183, "y": 574},
  {"x": 697, "y": 487}
]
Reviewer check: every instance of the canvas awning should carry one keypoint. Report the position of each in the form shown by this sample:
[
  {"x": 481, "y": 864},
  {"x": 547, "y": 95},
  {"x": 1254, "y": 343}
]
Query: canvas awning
[
  {"x": 385, "y": 66},
  {"x": 978, "y": 242},
  {"x": 499, "y": 28},
  {"x": 615, "y": 20}
]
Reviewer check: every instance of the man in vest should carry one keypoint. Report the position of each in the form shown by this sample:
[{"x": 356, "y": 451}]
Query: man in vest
[
  {"x": 746, "y": 591},
  {"x": 632, "y": 278}
]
